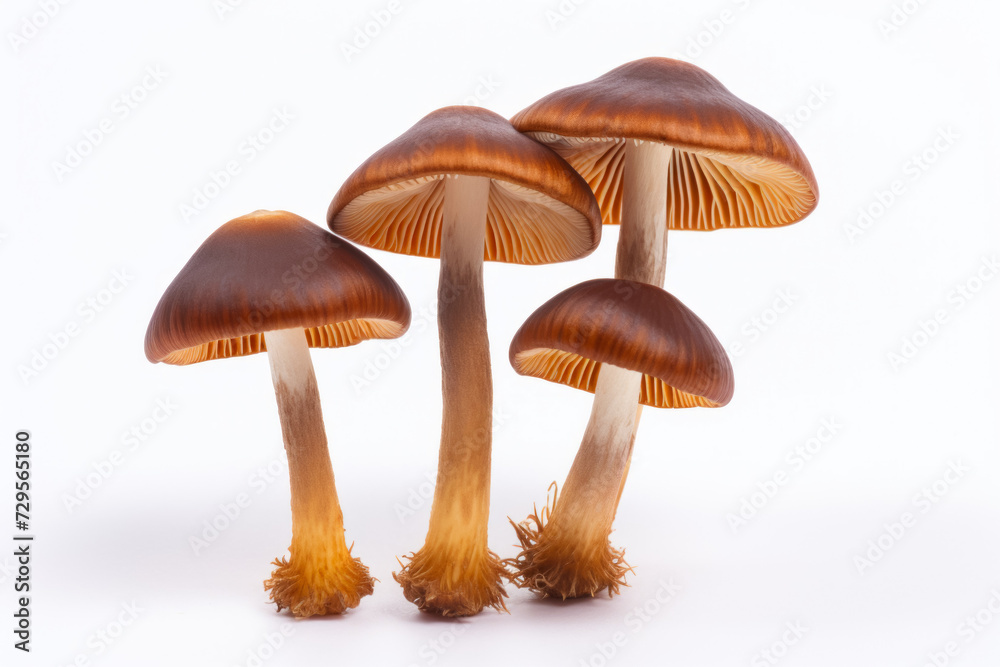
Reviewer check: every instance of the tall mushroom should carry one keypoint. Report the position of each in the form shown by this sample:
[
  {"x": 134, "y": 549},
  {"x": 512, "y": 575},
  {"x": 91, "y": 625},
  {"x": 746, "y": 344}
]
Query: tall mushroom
[
  {"x": 272, "y": 281},
  {"x": 626, "y": 342},
  {"x": 664, "y": 145},
  {"x": 464, "y": 186}
]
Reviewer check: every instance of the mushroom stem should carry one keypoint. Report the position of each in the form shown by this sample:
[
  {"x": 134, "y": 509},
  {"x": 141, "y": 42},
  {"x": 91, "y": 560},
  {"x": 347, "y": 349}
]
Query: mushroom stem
[
  {"x": 642, "y": 239},
  {"x": 320, "y": 576},
  {"x": 568, "y": 554},
  {"x": 455, "y": 573},
  {"x": 590, "y": 494},
  {"x": 631, "y": 448}
]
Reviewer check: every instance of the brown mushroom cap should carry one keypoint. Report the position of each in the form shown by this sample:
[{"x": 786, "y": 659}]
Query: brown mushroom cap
[
  {"x": 631, "y": 325},
  {"x": 540, "y": 210},
  {"x": 734, "y": 166},
  {"x": 272, "y": 270}
]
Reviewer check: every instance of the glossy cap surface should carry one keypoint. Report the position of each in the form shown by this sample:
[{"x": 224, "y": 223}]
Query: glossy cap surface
[
  {"x": 631, "y": 325},
  {"x": 539, "y": 211},
  {"x": 733, "y": 165},
  {"x": 272, "y": 270}
]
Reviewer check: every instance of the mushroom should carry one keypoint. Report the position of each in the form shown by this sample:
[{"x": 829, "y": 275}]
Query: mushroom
[
  {"x": 464, "y": 186},
  {"x": 272, "y": 281},
  {"x": 626, "y": 342},
  {"x": 663, "y": 144}
]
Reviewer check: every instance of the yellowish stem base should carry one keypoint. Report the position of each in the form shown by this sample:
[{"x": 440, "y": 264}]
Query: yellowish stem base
[
  {"x": 311, "y": 586},
  {"x": 450, "y": 586},
  {"x": 565, "y": 564}
]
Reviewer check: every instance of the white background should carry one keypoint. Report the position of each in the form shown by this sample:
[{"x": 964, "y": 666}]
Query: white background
[{"x": 869, "y": 101}]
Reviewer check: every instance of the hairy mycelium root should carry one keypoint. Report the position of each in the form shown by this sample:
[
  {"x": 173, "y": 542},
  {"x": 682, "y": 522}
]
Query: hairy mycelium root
[
  {"x": 451, "y": 587},
  {"x": 555, "y": 564},
  {"x": 308, "y": 586}
]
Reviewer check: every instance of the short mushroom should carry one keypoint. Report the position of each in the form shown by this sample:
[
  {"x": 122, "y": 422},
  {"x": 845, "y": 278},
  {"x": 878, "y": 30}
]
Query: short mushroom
[
  {"x": 664, "y": 145},
  {"x": 464, "y": 186},
  {"x": 272, "y": 281},
  {"x": 627, "y": 342}
]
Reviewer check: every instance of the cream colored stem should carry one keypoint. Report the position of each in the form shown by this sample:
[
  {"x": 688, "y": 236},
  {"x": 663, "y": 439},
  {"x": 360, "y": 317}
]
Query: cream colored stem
[
  {"x": 642, "y": 241},
  {"x": 631, "y": 448},
  {"x": 460, "y": 512},
  {"x": 586, "y": 506},
  {"x": 314, "y": 496}
]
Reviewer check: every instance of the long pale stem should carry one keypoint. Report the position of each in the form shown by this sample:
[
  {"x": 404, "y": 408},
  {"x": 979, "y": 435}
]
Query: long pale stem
[
  {"x": 642, "y": 241},
  {"x": 590, "y": 495},
  {"x": 461, "y": 498},
  {"x": 570, "y": 555},
  {"x": 455, "y": 574},
  {"x": 631, "y": 448},
  {"x": 320, "y": 577},
  {"x": 314, "y": 496}
]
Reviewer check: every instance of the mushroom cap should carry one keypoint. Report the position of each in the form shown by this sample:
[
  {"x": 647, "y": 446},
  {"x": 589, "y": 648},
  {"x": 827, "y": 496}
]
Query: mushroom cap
[
  {"x": 540, "y": 210},
  {"x": 266, "y": 271},
  {"x": 733, "y": 165},
  {"x": 631, "y": 325}
]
